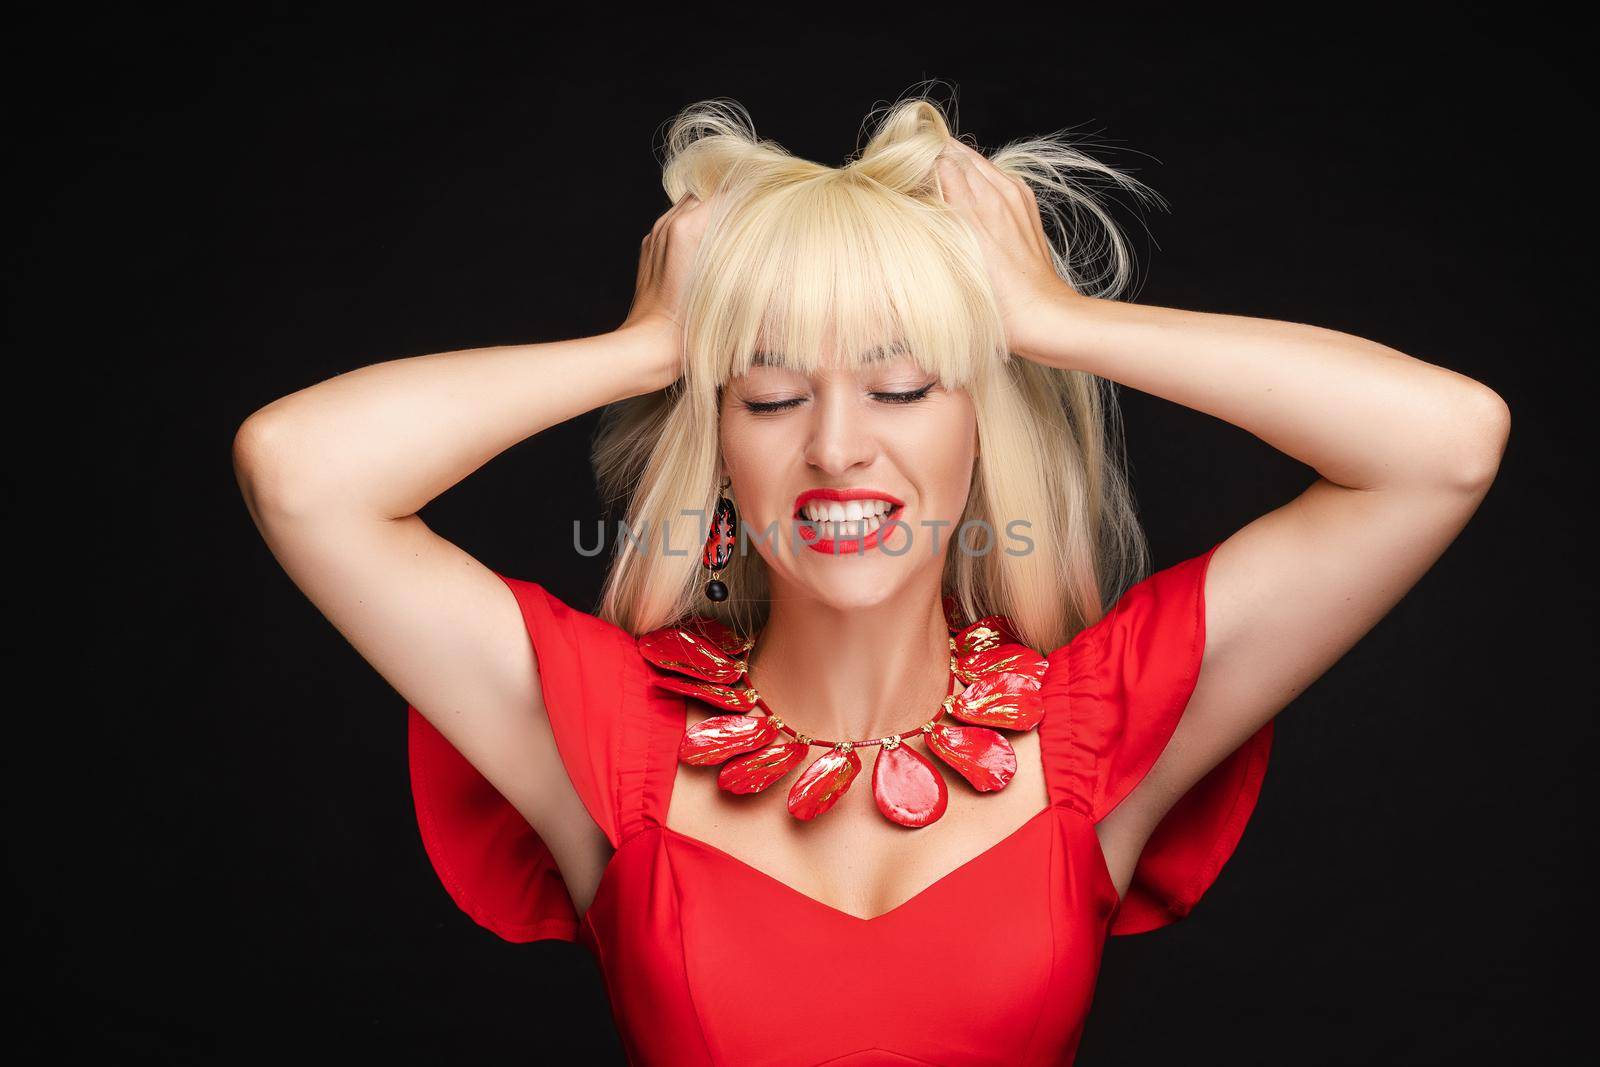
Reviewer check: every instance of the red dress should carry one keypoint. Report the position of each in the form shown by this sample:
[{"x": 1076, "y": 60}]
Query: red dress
[{"x": 830, "y": 987}]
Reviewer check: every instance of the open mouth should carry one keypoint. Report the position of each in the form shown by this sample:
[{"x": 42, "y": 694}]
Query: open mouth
[{"x": 843, "y": 521}]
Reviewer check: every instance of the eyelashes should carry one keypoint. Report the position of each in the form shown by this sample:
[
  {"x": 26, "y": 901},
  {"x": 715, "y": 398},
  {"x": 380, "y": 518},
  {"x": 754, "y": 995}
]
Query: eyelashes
[
  {"x": 905, "y": 398},
  {"x": 770, "y": 407}
]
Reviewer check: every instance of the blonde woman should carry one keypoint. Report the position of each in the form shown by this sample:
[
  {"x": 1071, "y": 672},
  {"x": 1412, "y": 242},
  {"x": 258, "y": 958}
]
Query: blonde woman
[{"x": 870, "y": 776}]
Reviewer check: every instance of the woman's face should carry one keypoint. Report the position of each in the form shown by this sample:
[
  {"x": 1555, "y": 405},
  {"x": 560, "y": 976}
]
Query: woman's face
[{"x": 819, "y": 462}]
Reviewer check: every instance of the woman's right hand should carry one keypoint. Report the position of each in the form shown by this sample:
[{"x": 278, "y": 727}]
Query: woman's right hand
[{"x": 666, "y": 256}]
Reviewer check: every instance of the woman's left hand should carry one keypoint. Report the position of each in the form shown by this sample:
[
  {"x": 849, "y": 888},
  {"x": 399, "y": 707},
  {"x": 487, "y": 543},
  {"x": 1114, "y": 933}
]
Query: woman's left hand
[{"x": 1004, "y": 215}]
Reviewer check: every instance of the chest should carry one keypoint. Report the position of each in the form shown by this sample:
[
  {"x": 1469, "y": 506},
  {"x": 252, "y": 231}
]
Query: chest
[
  {"x": 727, "y": 929},
  {"x": 710, "y": 960},
  {"x": 852, "y": 859}
]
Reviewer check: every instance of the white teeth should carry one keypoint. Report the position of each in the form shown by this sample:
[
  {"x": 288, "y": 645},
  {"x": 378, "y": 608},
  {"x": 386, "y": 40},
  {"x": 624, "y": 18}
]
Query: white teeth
[
  {"x": 833, "y": 531},
  {"x": 826, "y": 511}
]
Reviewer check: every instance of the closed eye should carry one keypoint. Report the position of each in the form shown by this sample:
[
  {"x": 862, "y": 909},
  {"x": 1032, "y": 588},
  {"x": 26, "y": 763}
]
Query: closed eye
[
  {"x": 905, "y": 398},
  {"x": 768, "y": 407}
]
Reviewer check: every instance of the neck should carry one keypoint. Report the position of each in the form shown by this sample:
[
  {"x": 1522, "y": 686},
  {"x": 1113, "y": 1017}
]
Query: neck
[{"x": 854, "y": 675}]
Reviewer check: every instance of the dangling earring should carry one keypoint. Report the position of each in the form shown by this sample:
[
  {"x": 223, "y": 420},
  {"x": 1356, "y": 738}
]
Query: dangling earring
[{"x": 719, "y": 543}]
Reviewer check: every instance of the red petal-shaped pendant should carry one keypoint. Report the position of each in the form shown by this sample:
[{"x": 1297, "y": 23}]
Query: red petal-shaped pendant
[
  {"x": 823, "y": 783},
  {"x": 907, "y": 787},
  {"x": 1009, "y": 701},
  {"x": 754, "y": 772},
  {"x": 988, "y": 632},
  {"x": 1008, "y": 658},
  {"x": 721, "y": 636},
  {"x": 721, "y": 696},
  {"x": 715, "y": 739},
  {"x": 980, "y": 755},
  {"x": 702, "y": 647}
]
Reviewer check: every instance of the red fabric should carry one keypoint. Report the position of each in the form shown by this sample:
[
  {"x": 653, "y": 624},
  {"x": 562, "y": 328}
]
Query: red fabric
[
  {"x": 704, "y": 956},
  {"x": 490, "y": 860},
  {"x": 1123, "y": 684}
]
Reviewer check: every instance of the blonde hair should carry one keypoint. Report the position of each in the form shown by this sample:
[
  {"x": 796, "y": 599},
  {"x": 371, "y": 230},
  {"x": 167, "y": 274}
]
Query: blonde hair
[{"x": 798, "y": 255}]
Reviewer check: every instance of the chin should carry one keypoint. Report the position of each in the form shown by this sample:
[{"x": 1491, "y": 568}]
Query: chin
[
  {"x": 850, "y": 599},
  {"x": 857, "y": 582}
]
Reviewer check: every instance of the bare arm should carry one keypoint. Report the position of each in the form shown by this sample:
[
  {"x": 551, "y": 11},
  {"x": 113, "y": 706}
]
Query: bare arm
[
  {"x": 1405, "y": 451},
  {"x": 334, "y": 476}
]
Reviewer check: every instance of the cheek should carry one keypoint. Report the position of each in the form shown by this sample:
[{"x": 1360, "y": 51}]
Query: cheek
[
  {"x": 740, "y": 444},
  {"x": 939, "y": 453},
  {"x": 748, "y": 446}
]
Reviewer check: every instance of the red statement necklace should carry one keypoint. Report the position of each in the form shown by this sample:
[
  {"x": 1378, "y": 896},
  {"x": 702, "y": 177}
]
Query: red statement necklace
[{"x": 994, "y": 685}]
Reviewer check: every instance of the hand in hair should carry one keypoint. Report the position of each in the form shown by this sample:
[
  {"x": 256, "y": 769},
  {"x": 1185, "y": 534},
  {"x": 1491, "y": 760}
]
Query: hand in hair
[
  {"x": 1004, "y": 216},
  {"x": 665, "y": 257}
]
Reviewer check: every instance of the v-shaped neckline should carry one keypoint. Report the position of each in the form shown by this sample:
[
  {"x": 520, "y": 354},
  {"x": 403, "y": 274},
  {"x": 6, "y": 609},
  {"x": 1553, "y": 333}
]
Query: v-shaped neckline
[
  {"x": 676, "y": 739},
  {"x": 849, "y": 916}
]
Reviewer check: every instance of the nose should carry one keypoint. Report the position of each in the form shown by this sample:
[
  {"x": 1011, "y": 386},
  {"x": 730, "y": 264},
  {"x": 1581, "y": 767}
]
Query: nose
[{"x": 840, "y": 435}]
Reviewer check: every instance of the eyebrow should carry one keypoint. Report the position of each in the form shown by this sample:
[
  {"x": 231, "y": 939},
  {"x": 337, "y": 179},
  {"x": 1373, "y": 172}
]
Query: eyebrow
[{"x": 877, "y": 354}]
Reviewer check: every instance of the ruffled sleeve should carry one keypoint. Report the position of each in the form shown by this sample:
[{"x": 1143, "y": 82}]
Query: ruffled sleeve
[
  {"x": 490, "y": 860},
  {"x": 1127, "y": 681}
]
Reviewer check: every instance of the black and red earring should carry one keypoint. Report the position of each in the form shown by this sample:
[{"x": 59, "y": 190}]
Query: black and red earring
[{"x": 719, "y": 543}]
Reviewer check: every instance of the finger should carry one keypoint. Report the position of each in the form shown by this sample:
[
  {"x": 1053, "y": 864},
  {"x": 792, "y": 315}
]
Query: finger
[
  {"x": 692, "y": 220},
  {"x": 987, "y": 205},
  {"x": 987, "y": 202},
  {"x": 1030, "y": 200},
  {"x": 953, "y": 181},
  {"x": 685, "y": 203},
  {"x": 666, "y": 217},
  {"x": 647, "y": 264},
  {"x": 688, "y": 204},
  {"x": 655, "y": 250},
  {"x": 996, "y": 179},
  {"x": 643, "y": 281}
]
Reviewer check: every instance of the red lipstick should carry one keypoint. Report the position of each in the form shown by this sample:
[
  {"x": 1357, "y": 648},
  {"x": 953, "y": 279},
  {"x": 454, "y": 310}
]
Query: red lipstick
[{"x": 843, "y": 545}]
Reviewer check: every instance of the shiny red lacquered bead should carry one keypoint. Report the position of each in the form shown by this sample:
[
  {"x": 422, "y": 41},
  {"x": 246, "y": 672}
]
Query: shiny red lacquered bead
[
  {"x": 753, "y": 772},
  {"x": 702, "y": 647},
  {"x": 988, "y": 632},
  {"x": 721, "y": 696},
  {"x": 715, "y": 739},
  {"x": 1009, "y": 701},
  {"x": 823, "y": 783},
  {"x": 908, "y": 788},
  {"x": 980, "y": 755},
  {"x": 1001, "y": 659}
]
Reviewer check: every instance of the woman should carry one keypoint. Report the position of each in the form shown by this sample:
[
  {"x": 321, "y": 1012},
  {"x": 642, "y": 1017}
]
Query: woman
[{"x": 890, "y": 389}]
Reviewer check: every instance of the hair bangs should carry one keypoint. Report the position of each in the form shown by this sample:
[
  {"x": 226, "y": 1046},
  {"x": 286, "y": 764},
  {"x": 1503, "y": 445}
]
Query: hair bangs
[{"x": 839, "y": 273}]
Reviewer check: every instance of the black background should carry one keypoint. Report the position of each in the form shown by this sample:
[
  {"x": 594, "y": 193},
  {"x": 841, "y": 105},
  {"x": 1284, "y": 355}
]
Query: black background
[{"x": 211, "y": 836}]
